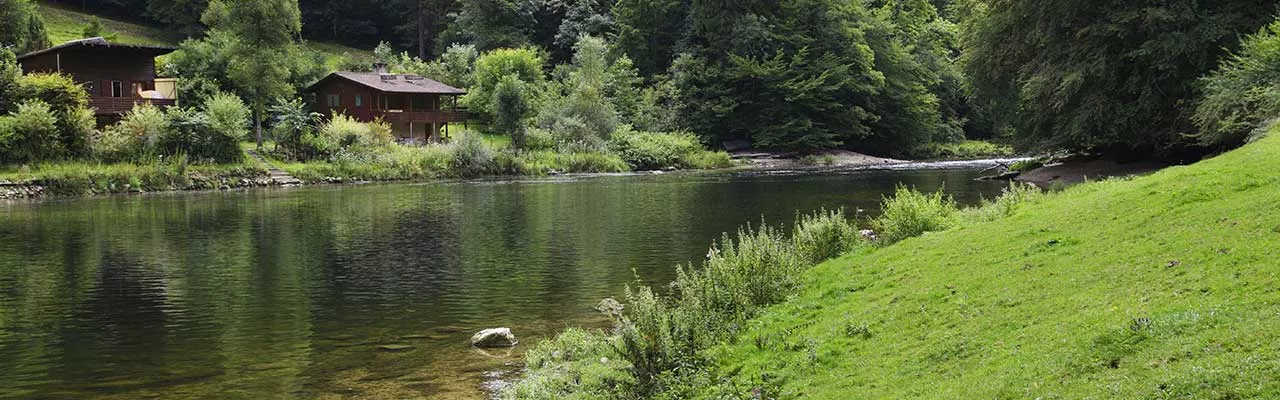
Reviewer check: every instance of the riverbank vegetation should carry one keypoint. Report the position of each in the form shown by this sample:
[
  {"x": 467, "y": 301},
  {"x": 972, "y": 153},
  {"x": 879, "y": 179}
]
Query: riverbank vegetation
[{"x": 1161, "y": 289}]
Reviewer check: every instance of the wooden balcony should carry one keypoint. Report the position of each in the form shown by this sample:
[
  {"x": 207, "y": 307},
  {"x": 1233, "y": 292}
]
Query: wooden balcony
[
  {"x": 426, "y": 117},
  {"x": 122, "y": 105}
]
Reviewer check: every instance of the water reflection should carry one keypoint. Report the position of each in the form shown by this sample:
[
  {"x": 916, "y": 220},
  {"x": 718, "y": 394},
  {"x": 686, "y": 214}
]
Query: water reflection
[{"x": 356, "y": 291}]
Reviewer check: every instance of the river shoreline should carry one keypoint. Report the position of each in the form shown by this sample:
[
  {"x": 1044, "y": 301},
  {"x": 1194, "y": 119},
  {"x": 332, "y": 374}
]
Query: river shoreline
[{"x": 88, "y": 185}]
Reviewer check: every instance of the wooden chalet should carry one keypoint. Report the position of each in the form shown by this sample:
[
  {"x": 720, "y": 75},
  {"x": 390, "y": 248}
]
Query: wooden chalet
[
  {"x": 117, "y": 76},
  {"x": 418, "y": 109}
]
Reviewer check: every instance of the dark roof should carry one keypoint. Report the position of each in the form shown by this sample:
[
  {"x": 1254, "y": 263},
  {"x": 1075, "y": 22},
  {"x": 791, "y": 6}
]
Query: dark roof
[
  {"x": 101, "y": 43},
  {"x": 395, "y": 83}
]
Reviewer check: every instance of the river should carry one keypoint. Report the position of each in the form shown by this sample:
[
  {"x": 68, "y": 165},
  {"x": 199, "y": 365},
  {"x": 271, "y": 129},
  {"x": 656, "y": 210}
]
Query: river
[{"x": 360, "y": 291}]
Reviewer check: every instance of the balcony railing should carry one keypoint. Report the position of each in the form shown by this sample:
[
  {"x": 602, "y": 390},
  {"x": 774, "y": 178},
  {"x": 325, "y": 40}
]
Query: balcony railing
[
  {"x": 437, "y": 117},
  {"x": 122, "y": 105}
]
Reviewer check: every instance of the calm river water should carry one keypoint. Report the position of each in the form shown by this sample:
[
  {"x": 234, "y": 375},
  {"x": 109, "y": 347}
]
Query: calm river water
[{"x": 358, "y": 291}]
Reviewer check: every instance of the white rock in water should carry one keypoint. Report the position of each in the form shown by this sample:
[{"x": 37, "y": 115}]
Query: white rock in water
[{"x": 496, "y": 337}]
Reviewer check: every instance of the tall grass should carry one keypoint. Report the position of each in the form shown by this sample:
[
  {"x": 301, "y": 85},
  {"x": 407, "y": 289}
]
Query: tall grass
[{"x": 659, "y": 347}]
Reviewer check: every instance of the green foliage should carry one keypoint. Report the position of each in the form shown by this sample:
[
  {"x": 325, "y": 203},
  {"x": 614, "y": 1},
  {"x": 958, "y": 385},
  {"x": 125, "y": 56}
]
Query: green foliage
[
  {"x": 10, "y": 74},
  {"x": 492, "y": 67},
  {"x": 228, "y": 114},
  {"x": 654, "y": 150},
  {"x": 965, "y": 150},
  {"x": 595, "y": 371},
  {"x": 262, "y": 47},
  {"x": 825, "y": 235},
  {"x": 1243, "y": 95},
  {"x": 1100, "y": 75},
  {"x": 491, "y": 24},
  {"x": 472, "y": 157},
  {"x": 1010, "y": 200},
  {"x": 95, "y": 29},
  {"x": 802, "y": 75},
  {"x": 910, "y": 213},
  {"x": 584, "y": 114},
  {"x": 294, "y": 126},
  {"x": 21, "y": 26},
  {"x": 136, "y": 137},
  {"x": 511, "y": 105},
  {"x": 192, "y": 134},
  {"x": 34, "y": 133},
  {"x": 456, "y": 67},
  {"x": 649, "y": 31},
  {"x": 1109, "y": 289}
]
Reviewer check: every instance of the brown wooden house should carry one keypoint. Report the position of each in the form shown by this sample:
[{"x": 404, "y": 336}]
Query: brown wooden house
[
  {"x": 117, "y": 76},
  {"x": 418, "y": 109}
]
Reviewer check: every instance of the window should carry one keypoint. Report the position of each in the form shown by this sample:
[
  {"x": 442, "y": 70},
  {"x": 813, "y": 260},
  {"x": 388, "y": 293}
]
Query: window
[
  {"x": 335, "y": 101},
  {"x": 117, "y": 89},
  {"x": 359, "y": 101}
]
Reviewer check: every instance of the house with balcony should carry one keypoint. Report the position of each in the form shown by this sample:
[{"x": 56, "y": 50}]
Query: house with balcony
[
  {"x": 116, "y": 76},
  {"x": 418, "y": 109}
]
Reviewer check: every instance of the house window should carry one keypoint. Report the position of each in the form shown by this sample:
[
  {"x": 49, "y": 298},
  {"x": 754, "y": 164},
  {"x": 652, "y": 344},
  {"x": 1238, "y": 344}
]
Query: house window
[
  {"x": 117, "y": 89},
  {"x": 335, "y": 101},
  {"x": 359, "y": 101}
]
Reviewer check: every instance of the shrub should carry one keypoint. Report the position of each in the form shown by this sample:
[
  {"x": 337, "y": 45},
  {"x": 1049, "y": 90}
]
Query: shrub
[
  {"x": 191, "y": 134},
  {"x": 539, "y": 139},
  {"x": 136, "y": 136},
  {"x": 593, "y": 162},
  {"x": 910, "y": 213},
  {"x": 10, "y": 74},
  {"x": 34, "y": 133},
  {"x": 653, "y": 150},
  {"x": 597, "y": 371},
  {"x": 67, "y": 99},
  {"x": 471, "y": 155},
  {"x": 707, "y": 160},
  {"x": 294, "y": 124},
  {"x": 228, "y": 114},
  {"x": 824, "y": 235},
  {"x": 965, "y": 149}
]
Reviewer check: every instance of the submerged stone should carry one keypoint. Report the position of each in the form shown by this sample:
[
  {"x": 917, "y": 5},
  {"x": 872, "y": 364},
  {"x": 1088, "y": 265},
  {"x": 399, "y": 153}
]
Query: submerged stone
[
  {"x": 395, "y": 347},
  {"x": 496, "y": 337}
]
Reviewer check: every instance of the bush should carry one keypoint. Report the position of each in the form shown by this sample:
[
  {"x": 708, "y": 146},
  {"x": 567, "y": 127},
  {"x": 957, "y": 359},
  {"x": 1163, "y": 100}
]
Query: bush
[
  {"x": 33, "y": 133},
  {"x": 824, "y": 236},
  {"x": 593, "y": 162},
  {"x": 68, "y": 101},
  {"x": 191, "y": 134},
  {"x": 595, "y": 368},
  {"x": 539, "y": 139},
  {"x": 910, "y": 213},
  {"x": 653, "y": 150},
  {"x": 135, "y": 137},
  {"x": 228, "y": 114},
  {"x": 965, "y": 150},
  {"x": 511, "y": 108},
  {"x": 471, "y": 155},
  {"x": 1243, "y": 94},
  {"x": 707, "y": 160}
]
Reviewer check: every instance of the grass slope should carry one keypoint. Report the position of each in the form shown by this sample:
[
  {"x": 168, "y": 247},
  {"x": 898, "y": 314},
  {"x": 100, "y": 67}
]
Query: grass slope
[
  {"x": 1159, "y": 287},
  {"x": 66, "y": 23}
]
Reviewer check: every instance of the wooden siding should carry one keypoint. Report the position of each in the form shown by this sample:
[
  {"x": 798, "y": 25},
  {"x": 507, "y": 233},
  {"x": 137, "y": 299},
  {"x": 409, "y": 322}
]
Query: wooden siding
[
  {"x": 391, "y": 107},
  {"x": 97, "y": 69}
]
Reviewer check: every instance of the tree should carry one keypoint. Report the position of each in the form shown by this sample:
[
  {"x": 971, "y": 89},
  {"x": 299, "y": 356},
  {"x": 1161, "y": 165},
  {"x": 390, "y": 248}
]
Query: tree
[
  {"x": 182, "y": 15},
  {"x": 491, "y": 24},
  {"x": 21, "y": 27},
  {"x": 1242, "y": 97},
  {"x": 511, "y": 107},
  {"x": 584, "y": 114},
  {"x": 264, "y": 32},
  {"x": 524, "y": 64},
  {"x": 10, "y": 72},
  {"x": 649, "y": 30},
  {"x": 1100, "y": 75}
]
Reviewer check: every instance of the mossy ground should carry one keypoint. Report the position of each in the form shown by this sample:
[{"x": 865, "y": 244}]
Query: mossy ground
[{"x": 1157, "y": 287}]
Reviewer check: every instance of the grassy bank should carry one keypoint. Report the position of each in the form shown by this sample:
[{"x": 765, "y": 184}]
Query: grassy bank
[
  {"x": 1158, "y": 287},
  {"x": 90, "y": 178}
]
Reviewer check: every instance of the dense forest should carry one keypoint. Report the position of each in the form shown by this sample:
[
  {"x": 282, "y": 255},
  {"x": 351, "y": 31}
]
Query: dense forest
[{"x": 881, "y": 76}]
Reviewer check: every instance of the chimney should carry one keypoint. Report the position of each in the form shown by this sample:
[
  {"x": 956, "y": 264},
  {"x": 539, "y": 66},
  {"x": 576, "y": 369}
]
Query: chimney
[{"x": 380, "y": 67}]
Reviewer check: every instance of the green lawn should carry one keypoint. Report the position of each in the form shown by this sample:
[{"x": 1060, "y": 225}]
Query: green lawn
[
  {"x": 67, "y": 23},
  {"x": 1161, "y": 287}
]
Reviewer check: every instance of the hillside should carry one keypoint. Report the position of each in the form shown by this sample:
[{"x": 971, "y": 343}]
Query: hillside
[
  {"x": 65, "y": 24},
  {"x": 1160, "y": 287}
]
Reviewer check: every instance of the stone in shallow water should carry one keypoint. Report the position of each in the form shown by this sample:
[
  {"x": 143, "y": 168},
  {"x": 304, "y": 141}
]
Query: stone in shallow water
[
  {"x": 395, "y": 347},
  {"x": 496, "y": 337}
]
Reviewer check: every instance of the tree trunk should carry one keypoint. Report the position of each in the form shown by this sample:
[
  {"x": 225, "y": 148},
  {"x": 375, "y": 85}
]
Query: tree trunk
[{"x": 257, "y": 126}]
